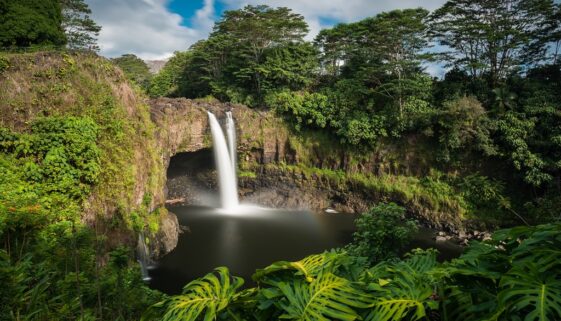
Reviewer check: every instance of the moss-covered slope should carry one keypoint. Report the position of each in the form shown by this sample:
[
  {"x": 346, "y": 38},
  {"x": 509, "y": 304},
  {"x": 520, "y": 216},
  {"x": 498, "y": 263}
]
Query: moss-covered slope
[{"x": 128, "y": 189}]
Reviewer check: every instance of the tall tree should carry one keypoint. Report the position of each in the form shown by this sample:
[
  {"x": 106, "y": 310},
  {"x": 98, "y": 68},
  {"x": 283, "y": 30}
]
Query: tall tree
[
  {"x": 491, "y": 37},
  {"x": 257, "y": 29},
  {"x": 384, "y": 53},
  {"x": 169, "y": 81},
  {"x": 397, "y": 39},
  {"x": 25, "y": 23},
  {"x": 81, "y": 30},
  {"x": 555, "y": 36},
  {"x": 336, "y": 46}
]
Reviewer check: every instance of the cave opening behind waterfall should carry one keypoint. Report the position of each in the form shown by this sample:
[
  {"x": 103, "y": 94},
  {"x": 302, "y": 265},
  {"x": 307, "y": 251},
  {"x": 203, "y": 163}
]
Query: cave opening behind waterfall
[{"x": 191, "y": 178}]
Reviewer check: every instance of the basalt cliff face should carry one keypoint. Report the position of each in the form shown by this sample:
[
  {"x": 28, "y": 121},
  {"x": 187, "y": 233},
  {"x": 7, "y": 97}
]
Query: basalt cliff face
[
  {"x": 282, "y": 168},
  {"x": 264, "y": 138}
]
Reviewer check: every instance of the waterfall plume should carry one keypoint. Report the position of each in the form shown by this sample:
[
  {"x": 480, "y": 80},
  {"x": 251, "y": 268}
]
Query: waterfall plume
[{"x": 224, "y": 164}]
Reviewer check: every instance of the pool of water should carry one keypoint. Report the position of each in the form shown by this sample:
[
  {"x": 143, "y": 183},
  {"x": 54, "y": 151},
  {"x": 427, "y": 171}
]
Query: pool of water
[{"x": 253, "y": 238}]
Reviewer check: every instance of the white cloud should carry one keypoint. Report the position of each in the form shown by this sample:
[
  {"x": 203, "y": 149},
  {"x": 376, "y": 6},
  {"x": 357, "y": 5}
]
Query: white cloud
[{"x": 147, "y": 28}]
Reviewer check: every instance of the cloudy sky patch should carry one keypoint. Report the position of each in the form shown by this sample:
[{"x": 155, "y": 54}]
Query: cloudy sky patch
[
  {"x": 154, "y": 29},
  {"x": 147, "y": 28}
]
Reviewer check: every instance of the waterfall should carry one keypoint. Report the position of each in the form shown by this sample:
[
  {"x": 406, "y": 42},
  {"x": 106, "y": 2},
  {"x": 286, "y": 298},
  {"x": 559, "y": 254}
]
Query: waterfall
[
  {"x": 224, "y": 165},
  {"x": 143, "y": 256},
  {"x": 231, "y": 134}
]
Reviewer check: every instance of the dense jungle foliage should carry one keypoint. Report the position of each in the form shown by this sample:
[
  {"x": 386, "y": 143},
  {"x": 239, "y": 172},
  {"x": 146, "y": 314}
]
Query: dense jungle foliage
[
  {"x": 70, "y": 137},
  {"x": 492, "y": 124}
]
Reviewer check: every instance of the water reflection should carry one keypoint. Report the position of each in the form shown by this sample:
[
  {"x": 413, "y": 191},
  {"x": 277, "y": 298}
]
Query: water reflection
[
  {"x": 251, "y": 239},
  {"x": 254, "y": 238}
]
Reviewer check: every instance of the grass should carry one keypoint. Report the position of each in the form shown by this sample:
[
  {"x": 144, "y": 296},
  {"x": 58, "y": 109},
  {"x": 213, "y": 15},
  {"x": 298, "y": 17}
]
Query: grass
[{"x": 247, "y": 174}]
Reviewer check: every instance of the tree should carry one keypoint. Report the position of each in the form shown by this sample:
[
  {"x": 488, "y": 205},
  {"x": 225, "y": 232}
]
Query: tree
[
  {"x": 81, "y": 30},
  {"x": 255, "y": 30},
  {"x": 465, "y": 127},
  {"x": 336, "y": 46},
  {"x": 135, "y": 69},
  {"x": 292, "y": 67},
  {"x": 25, "y": 23},
  {"x": 170, "y": 81},
  {"x": 374, "y": 68},
  {"x": 491, "y": 37},
  {"x": 555, "y": 36},
  {"x": 206, "y": 72},
  {"x": 262, "y": 27},
  {"x": 396, "y": 38}
]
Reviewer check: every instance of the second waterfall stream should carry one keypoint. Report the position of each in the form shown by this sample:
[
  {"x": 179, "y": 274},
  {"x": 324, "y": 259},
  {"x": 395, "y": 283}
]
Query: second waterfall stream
[{"x": 225, "y": 158}]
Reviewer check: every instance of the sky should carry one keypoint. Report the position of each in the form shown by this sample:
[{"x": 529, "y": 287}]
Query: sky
[{"x": 154, "y": 29}]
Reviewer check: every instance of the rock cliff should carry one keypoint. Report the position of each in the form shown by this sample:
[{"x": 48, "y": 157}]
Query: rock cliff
[{"x": 281, "y": 168}]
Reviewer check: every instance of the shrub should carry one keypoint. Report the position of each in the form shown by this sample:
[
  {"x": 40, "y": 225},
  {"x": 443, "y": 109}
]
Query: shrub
[
  {"x": 382, "y": 232},
  {"x": 305, "y": 109}
]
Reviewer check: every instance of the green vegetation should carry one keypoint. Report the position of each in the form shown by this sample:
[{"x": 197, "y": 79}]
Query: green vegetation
[
  {"x": 47, "y": 24},
  {"x": 511, "y": 277},
  {"x": 25, "y": 23},
  {"x": 436, "y": 198},
  {"x": 170, "y": 80},
  {"x": 135, "y": 69},
  {"x": 48, "y": 255},
  {"x": 67, "y": 162},
  {"x": 252, "y": 51},
  {"x": 494, "y": 113},
  {"x": 81, "y": 174},
  {"x": 81, "y": 30},
  {"x": 382, "y": 233}
]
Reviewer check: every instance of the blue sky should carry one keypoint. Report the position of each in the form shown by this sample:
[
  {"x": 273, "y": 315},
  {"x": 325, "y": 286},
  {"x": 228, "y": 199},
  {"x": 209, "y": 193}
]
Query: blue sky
[
  {"x": 154, "y": 29},
  {"x": 187, "y": 9}
]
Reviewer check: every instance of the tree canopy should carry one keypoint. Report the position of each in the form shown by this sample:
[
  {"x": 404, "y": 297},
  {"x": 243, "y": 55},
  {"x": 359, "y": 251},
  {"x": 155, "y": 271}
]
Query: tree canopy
[
  {"x": 246, "y": 52},
  {"x": 25, "y": 23},
  {"x": 135, "y": 69},
  {"x": 492, "y": 38},
  {"x": 80, "y": 29}
]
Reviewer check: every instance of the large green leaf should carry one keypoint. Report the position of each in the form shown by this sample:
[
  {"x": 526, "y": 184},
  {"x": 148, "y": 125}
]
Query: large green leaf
[
  {"x": 404, "y": 289},
  {"x": 528, "y": 292},
  {"x": 542, "y": 247},
  {"x": 204, "y": 297},
  {"x": 401, "y": 295},
  {"x": 475, "y": 303},
  {"x": 308, "y": 267},
  {"x": 327, "y": 297}
]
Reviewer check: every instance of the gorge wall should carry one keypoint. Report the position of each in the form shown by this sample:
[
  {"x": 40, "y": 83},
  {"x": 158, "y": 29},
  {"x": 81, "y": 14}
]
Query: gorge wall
[{"x": 281, "y": 168}]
